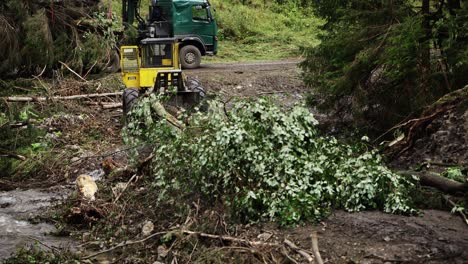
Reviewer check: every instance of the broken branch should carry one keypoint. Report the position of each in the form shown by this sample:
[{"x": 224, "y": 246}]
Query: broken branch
[{"x": 72, "y": 71}]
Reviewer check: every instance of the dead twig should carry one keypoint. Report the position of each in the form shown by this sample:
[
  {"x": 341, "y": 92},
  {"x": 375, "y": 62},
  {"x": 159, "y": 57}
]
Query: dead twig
[
  {"x": 273, "y": 92},
  {"x": 42, "y": 243},
  {"x": 13, "y": 155},
  {"x": 72, "y": 71},
  {"x": 211, "y": 236},
  {"x": 124, "y": 244},
  {"x": 42, "y": 72},
  {"x": 90, "y": 69},
  {"x": 105, "y": 105},
  {"x": 193, "y": 250},
  {"x": 107, "y": 154},
  {"x": 124, "y": 189},
  {"x": 231, "y": 239}
]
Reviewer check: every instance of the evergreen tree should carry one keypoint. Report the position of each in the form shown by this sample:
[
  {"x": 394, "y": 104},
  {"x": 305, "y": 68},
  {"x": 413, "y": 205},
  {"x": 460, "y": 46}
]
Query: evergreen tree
[{"x": 392, "y": 57}]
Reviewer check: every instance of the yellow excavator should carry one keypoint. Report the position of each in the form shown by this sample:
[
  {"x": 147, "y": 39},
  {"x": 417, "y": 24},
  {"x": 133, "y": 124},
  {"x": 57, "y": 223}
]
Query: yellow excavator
[{"x": 153, "y": 66}]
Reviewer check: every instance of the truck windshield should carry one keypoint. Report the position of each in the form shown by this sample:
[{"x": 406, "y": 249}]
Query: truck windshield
[{"x": 157, "y": 55}]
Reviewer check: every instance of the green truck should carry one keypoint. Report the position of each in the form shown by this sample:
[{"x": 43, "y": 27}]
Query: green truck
[{"x": 191, "y": 22}]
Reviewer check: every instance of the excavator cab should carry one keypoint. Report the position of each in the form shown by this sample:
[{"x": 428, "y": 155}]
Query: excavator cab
[{"x": 154, "y": 67}]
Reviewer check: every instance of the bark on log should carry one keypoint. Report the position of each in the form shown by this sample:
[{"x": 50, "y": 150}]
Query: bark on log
[{"x": 439, "y": 182}]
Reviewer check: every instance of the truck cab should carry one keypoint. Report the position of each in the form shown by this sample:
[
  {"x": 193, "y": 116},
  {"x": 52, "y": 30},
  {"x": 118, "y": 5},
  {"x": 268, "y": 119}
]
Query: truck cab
[
  {"x": 196, "y": 30},
  {"x": 190, "y": 22}
]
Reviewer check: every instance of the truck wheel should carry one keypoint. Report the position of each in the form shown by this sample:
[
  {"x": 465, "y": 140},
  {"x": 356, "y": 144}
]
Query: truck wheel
[
  {"x": 190, "y": 57},
  {"x": 129, "y": 98}
]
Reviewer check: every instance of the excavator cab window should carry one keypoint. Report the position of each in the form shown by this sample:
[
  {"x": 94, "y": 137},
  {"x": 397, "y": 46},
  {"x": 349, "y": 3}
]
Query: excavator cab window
[
  {"x": 157, "y": 55},
  {"x": 130, "y": 59}
]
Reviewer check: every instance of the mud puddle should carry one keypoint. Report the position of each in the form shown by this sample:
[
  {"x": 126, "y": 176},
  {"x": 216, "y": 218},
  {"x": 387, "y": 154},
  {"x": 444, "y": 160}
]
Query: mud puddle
[{"x": 16, "y": 208}]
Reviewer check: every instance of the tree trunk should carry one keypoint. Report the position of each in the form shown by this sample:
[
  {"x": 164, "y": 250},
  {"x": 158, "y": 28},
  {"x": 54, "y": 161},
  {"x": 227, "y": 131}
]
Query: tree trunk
[
  {"x": 439, "y": 182},
  {"x": 426, "y": 25}
]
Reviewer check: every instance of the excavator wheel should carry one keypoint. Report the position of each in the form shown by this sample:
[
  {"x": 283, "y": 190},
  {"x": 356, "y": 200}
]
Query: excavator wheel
[
  {"x": 195, "y": 85},
  {"x": 129, "y": 98}
]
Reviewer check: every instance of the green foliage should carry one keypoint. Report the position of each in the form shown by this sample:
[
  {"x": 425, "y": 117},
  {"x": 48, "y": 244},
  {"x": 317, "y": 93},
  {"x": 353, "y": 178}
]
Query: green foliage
[
  {"x": 263, "y": 30},
  {"x": 266, "y": 163},
  {"x": 455, "y": 173},
  {"x": 38, "y": 42},
  {"x": 458, "y": 209},
  {"x": 39, "y": 35},
  {"x": 390, "y": 57}
]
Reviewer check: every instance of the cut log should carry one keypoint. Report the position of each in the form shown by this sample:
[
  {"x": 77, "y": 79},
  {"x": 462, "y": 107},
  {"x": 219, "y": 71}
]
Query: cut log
[{"x": 439, "y": 182}]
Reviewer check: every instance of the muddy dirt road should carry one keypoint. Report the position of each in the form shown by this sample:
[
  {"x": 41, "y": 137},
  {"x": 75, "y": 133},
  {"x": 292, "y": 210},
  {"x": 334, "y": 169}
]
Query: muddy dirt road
[
  {"x": 365, "y": 237},
  {"x": 280, "y": 79}
]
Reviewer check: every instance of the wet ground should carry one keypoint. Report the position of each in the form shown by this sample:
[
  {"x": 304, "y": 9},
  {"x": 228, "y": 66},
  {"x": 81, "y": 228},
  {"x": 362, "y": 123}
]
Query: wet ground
[
  {"x": 18, "y": 210},
  {"x": 375, "y": 237}
]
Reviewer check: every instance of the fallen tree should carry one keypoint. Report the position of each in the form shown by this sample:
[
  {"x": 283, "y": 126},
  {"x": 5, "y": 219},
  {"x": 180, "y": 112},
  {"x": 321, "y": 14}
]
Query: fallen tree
[{"x": 264, "y": 163}]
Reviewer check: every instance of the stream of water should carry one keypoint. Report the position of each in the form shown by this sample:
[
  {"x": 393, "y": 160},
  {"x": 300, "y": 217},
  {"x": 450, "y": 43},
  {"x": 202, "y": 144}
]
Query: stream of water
[{"x": 16, "y": 207}]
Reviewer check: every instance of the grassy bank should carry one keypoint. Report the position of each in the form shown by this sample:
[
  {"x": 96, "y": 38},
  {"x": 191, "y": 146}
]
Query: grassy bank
[
  {"x": 258, "y": 30},
  {"x": 263, "y": 31}
]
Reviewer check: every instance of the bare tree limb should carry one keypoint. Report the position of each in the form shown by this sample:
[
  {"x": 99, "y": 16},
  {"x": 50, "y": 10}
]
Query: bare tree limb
[
  {"x": 124, "y": 244},
  {"x": 71, "y": 97}
]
